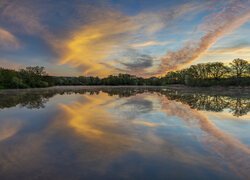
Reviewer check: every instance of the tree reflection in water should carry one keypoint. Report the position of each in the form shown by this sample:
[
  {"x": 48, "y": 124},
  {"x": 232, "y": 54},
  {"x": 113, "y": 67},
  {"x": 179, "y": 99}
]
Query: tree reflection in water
[
  {"x": 236, "y": 103},
  {"x": 87, "y": 136}
]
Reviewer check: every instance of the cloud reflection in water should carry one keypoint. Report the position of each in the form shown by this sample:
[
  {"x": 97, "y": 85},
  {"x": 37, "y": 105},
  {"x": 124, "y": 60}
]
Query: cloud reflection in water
[{"x": 99, "y": 135}]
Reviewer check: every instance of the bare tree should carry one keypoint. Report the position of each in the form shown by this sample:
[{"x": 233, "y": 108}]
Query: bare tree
[
  {"x": 239, "y": 67},
  {"x": 217, "y": 70}
]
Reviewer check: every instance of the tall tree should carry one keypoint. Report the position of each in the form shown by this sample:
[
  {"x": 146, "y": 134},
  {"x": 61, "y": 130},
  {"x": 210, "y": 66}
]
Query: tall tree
[
  {"x": 217, "y": 70},
  {"x": 239, "y": 67},
  {"x": 37, "y": 70},
  {"x": 198, "y": 71}
]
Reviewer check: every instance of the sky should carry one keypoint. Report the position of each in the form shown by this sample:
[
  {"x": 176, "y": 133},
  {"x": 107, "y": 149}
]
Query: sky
[{"x": 140, "y": 37}]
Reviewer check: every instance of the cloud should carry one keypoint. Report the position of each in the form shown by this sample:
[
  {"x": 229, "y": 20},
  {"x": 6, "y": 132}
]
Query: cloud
[
  {"x": 8, "y": 40},
  {"x": 94, "y": 42},
  {"x": 217, "y": 25},
  {"x": 142, "y": 61},
  {"x": 133, "y": 60},
  {"x": 147, "y": 124},
  {"x": 93, "y": 33},
  {"x": 153, "y": 22},
  {"x": 148, "y": 44},
  {"x": 93, "y": 45},
  {"x": 242, "y": 49},
  {"x": 226, "y": 54},
  {"x": 23, "y": 14}
]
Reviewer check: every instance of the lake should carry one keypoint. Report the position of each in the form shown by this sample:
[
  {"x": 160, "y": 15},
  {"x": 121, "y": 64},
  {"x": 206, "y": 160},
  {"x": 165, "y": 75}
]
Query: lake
[{"x": 124, "y": 133}]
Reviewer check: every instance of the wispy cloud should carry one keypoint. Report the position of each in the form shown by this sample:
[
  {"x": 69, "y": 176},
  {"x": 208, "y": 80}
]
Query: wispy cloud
[
  {"x": 236, "y": 49},
  {"x": 149, "y": 43},
  {"x": 217, "y": 25},
  {"x": 94, "y": 35},
  {"x": 8, "y": 40},
  {"x": 23, "y": 14},
  {"x": 94, "y": 42}
]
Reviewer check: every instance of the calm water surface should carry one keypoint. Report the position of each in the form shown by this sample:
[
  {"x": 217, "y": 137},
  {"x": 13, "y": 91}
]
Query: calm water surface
[{"x": 124, "y": 133}]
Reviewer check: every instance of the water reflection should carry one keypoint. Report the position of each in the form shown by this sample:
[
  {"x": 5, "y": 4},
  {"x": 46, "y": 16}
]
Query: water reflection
[
  {"x": 234, "y": 153},
  {"x": 238, "y": 104},
  {"x": 128, "y": 133}
]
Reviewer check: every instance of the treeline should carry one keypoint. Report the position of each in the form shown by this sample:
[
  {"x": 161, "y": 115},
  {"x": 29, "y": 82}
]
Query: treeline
[
  {"x": 31, "y": 77},
  {"x": 209, "y": 74},
  {"x": 206, "y": 74}
]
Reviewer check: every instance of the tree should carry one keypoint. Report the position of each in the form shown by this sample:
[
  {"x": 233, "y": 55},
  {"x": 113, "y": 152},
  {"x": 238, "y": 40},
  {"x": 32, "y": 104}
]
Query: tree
[
  {"x": 34, "y": 76},
  {"x": 239, "y": 67},
  {"x": 198, "y": 71},
  {"x": 217, "y": 70},
  {"x": 37, "y": 70},
  {"x": 248, "y": 70}
]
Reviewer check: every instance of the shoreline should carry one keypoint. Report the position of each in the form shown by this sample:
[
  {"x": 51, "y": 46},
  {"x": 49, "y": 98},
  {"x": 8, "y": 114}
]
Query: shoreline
[
  {"x": 219, "y": 90},
  {"x": 172, "y": 86}
]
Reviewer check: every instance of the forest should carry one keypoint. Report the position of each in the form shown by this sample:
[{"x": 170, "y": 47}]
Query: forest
[{"x": 236, "y": 73}]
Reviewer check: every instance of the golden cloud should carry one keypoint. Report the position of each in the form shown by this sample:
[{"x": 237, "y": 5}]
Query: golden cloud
[
  {"x": 148, "y": 44},
  {"x": 92, "y": 44},
  {"x": 96, "y": 36}
]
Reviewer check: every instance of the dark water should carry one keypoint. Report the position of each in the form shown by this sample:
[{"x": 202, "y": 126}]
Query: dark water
[{"x": 124, "y": 133}]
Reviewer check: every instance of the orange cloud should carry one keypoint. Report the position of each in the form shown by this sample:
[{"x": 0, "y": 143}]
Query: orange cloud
[
  {"x": 95, "y": 36},
  {"x": 94, "y": 46},
  {"x": 148, "y": 43},
  {"x": 8, "y": 40},
  {"x": 147, "y": 124},
  {"x": 91, "y": 45}
]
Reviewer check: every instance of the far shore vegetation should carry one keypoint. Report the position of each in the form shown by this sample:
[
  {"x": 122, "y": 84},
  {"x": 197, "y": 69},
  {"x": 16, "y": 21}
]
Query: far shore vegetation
[
  {"x": 238, "y": 104},
  {"x": 237, "y": 73}
]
